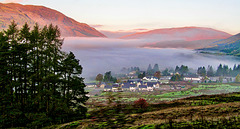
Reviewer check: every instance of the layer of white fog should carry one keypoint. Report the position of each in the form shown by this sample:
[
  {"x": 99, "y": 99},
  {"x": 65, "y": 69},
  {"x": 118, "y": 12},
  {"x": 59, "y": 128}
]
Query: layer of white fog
[{"x": 98, "y": 55}]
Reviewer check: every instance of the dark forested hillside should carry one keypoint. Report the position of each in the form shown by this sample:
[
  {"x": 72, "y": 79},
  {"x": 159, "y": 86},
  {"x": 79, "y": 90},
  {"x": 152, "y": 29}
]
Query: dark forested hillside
[
  {"x": 230, "y": 46},
  {"x": 39, "y": 83}
]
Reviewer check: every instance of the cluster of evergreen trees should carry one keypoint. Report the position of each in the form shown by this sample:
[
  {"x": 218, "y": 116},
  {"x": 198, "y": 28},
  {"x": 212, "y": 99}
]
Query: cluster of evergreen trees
[
  {"x": 109, "y": 78},
  {"x": 182, "y": 69},
  {"x": 151, "y": 71},
  {"x": 106, "y": 78},
  {"x": 39, "y": 83},
  {"x": 222, "y": 70},
  {"x": 133, "y": 69}
]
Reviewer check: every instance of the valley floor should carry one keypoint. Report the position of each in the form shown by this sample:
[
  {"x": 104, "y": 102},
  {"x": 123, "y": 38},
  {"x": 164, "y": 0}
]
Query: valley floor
[{"x": 198, "y": 111}]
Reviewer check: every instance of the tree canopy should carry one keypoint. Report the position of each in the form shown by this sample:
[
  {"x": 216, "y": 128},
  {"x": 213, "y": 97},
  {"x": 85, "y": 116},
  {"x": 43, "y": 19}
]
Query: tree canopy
[
  {"x": 39, "y": 83},
  {"x": 177, "y": 77},
  {"x": 182, "y": 70}
]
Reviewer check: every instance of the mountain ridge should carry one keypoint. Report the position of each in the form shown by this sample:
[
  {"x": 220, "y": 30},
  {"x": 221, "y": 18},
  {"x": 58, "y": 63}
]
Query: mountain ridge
[
  {"x": 44, "y": 16},
  {"x": 181, "y": 33},
  {"x": 229, "y": 46}
]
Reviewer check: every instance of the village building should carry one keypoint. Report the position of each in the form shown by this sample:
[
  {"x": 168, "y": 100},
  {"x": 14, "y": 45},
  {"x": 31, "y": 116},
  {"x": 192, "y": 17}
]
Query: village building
[
  {"x": 139, "y": 83},
  {"x": 193, "y": 79},
  {"x": 107, "y": 88},
  {"x": 125, "y": 83},
  {"x": 150, "y": 79},
  {"x": 116, "y": 88},
  {"x": 149, "y": 88},
  {"x": 103, "y": 84},
  {"x": 91, "y": 84},
  {"x": 142, "y": 88},
  {"x": 133, "y": 87},
  {"x": 126, "y": 87},
  {"x": 153, "y": 84},
  {"x": 165, "y": 78}
]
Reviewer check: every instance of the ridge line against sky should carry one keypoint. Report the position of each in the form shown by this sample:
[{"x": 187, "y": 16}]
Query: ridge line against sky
[{"x": 114, "y": 15}]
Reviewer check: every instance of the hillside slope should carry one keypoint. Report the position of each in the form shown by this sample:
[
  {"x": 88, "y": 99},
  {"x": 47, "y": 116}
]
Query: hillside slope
[
  {"x": 182, "y": 33},
  {"x": 229, "y": 40},
  {"x": 206, "y": 111},
  {"x": 197, "y": 44},
  {"x": 43, "y": 16},
  {"x": 229, "y": 46}
]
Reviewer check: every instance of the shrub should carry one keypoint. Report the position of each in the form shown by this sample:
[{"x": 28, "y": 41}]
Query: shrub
[{"x": 141, "y": 103}]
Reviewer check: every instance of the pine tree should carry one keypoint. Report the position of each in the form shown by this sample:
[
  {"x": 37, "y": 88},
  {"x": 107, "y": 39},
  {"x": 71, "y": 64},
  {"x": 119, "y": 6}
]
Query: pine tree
[
  {"x": 75, "y": 85},
  {"x": 155, "y": 68},
  {"x": 225, "y": 70},
  {"x": 149, "y": 70},
  {"x": 236, "y": 70},
  {"x": 165, "y": 72},
  {"x": 6, "y": 94},
  {"x": 24, "y": 38},
  {"x": 177, "y": 69},
  {"x": 201, "y": 71},
  {"x": 210, "y": 71},
  {"x": 108, "y": 77},
  {"x": 219, "y": 70},
  {"x": 183, "y": 69}
]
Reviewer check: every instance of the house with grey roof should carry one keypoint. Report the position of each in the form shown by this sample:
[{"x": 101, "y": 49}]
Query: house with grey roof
[
  {"x": 103, "y": 84},
  {"x": 133, "y": 87},
  {"x": 107, "y": 88},
  {"x": 152, "y": 84},
  {"x": 116, "y": 88},
  {"x": 142, "y": 88},
  {"x": 91, "y": 84},
  {"x": 150, "y": 88},
  {"x": 126, "y": 87}
]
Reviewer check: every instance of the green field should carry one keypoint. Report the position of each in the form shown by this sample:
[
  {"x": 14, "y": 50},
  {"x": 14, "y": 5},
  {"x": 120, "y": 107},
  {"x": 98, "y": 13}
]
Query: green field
[
  {"x": 159, "y": 96},
  {"x": 202, "y": 89}
]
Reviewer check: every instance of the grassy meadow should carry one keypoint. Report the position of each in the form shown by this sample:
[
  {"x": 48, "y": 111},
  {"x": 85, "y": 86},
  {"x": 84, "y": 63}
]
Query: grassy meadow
[{"x": 202, "y": 106}]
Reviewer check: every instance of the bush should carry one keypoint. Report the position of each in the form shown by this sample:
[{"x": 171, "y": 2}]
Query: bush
[{"x": 141, "y": 104}]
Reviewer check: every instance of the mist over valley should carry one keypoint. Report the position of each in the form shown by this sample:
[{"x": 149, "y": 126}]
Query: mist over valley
[{"x": 98, "y": 55}]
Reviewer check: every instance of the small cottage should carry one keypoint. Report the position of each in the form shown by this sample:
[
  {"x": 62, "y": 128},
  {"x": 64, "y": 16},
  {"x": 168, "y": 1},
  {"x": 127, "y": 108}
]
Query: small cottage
[
  {"x": 149, "y": 88},
  {"x": 142, "y": 88},
  {"x": 126, "y": 87},
  {"x": 133, "y": 87},
  {"x": 91, "y": 84},
  {"x": 107, "y": 88}
]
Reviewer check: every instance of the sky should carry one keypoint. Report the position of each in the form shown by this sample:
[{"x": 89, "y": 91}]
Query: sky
[{"x": 120, "y": 15}]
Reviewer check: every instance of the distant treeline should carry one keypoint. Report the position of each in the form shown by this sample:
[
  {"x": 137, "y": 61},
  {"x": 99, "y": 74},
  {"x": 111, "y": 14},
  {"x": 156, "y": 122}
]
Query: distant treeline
[
  {"x": 222, "y": 70},
  {"x": 39, "y": 83}
]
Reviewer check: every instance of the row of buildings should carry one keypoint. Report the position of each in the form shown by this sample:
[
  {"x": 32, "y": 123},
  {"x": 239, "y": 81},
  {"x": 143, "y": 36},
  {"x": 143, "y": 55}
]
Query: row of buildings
[
  {"x": 150, "y": 84},
  {"x": 129, "y": 85},
  {"x": 132, "y": 86}
]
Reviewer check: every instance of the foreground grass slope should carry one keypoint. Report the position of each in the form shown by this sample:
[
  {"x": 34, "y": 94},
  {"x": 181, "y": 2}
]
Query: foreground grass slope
[{"x": 205, "y": 111}]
